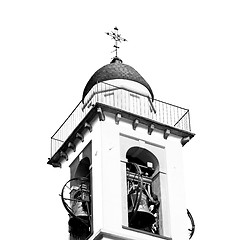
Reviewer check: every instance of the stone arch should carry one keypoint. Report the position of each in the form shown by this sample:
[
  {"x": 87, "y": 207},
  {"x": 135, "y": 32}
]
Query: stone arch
[
  {"x": 142, "y": 156},
  {"x": 82, "y": 169}
]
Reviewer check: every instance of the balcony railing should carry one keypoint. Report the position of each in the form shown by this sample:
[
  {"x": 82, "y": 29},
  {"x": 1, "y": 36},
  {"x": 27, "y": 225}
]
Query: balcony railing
[{"x": 125, "y": 100}]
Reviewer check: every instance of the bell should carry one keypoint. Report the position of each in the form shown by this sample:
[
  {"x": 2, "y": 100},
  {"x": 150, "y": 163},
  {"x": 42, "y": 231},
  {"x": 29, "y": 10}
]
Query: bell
[
  {"x": 79, "y": 206},
  {"x": 79, "y": 210},
  {"x": 78, "y": 229},
  {"x": 143, "y": 217}
]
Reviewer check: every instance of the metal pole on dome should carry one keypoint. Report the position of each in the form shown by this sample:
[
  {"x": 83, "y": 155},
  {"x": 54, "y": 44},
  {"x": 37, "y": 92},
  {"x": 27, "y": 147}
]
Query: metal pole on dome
[{"x": 117, "y": 37}]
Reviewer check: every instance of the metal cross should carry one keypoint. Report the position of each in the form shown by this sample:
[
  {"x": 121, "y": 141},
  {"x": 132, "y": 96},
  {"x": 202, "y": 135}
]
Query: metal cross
[{"x": 117, "y": 37}]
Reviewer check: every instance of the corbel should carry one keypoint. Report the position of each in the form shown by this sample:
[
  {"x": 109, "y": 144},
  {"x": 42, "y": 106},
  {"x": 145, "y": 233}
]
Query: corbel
[
  {"x": 64, "y": 155},
  {"x": 118, "y": 116},
  {"x": 166, "y": 133},
  {"x": 135, "y": 124},
  {"x": 72, "y": 146},
  {"x": 150, "y": 128},
  {"x": 185, "y": 140},
  {"x": 80, "y": 136},
  {"x": 88, "y": 126},
  {"x": 100, "y": 114}
]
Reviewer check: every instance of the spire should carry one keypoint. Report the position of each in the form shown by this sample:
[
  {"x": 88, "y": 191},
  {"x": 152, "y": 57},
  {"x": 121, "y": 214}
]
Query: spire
[{"x": 117, "y": 38}]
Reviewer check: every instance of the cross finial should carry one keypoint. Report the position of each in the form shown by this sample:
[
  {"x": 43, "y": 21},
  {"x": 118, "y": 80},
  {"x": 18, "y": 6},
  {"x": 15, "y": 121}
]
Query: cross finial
[{"x": 117, "y": 37}]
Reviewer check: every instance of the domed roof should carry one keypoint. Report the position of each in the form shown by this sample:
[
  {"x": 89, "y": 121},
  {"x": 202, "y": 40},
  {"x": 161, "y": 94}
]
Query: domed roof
[{"x": 116, "y": 70}]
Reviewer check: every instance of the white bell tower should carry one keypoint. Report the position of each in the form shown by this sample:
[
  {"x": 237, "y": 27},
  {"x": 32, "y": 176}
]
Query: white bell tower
[{"x": 120, "y": 152}]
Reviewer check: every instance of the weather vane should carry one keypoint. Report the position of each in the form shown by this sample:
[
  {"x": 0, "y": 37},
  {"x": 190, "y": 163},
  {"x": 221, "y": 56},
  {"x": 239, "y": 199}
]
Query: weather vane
[{"x": 117, "y": 37}]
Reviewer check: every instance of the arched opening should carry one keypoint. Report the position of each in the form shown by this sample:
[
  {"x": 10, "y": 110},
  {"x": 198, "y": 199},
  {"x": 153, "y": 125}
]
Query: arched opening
[
  {"x": 144, "y": 158},
  {"x": 80, "y": 221},
  {"x": 82, "y": 169},
  {"x": 143, "y": 191}
]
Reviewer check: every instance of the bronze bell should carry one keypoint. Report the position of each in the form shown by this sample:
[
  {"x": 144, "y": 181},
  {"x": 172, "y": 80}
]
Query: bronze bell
[
  {"x": 78, "y": 229},
  {"x": 143, "y": 217},
  {"x": 79, "y": 209},
  {"x": 78, "y": 205}
]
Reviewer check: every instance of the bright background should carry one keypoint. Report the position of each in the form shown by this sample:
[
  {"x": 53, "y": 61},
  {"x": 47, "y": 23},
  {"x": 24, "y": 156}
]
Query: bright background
[{"x": 188, "y": 51}]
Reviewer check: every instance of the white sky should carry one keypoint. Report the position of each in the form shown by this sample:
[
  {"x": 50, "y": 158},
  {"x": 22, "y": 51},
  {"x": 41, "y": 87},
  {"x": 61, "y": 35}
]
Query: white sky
[{"x": 189, "y": 53}]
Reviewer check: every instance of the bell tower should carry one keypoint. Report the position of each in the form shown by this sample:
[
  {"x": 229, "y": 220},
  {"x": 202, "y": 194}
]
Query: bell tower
[{"x": 120, "y": 154}]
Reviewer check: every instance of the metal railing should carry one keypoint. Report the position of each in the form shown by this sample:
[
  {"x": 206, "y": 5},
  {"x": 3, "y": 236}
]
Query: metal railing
[{"x": 126, "y": 100}]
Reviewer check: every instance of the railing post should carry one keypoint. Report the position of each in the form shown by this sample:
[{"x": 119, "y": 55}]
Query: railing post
[
  {"x": 51, "y": 147},
  {"x": 189, "y": 124},
  {"x": 97, "y": 92}
]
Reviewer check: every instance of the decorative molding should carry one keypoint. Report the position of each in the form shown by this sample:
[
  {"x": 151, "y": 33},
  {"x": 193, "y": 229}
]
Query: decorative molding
[
  {"x": 150, "y": 128},
  {"x": 72, "y": 146},
  {"x": 166, "y": 134},
  {"x": 145, "y": 233},
  {"x": 80, "y": 136},
  {"x": 63, "y": 155},
  {"x": 118, "y": 116},
  {"x": 185, "y": 140},
  {"x": 55, "y": 164},
  {"x": 106, "y": 234},
  {"x": 88, "y": 126},
  {"x": 100, "y": 114},
  {"x": 135, "y": 124}
]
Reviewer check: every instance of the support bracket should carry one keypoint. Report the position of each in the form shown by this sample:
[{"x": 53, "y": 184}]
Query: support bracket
[
  {"x": 135, "y": 124},
  {"x": 88, "y": 126},
  {"x": 150, "y": 128},
  {"x": 100, "y": 114},
  {"x": 185, "y": 140},
  {"x": 64, "y": 155},
  {"x": 166, "y": 134},
  {"x": 80, "y": 136},
  {"x": 72, "y": 146},
  {"x": 117, "y": 118}
]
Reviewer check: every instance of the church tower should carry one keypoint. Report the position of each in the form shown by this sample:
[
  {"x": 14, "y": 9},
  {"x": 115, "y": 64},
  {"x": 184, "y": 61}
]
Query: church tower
[{"x": 120, "y": 153}]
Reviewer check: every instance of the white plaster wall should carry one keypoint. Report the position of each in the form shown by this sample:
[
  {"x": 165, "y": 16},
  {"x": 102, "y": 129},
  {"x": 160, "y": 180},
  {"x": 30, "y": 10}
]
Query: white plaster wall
[
  {"x": 97, "y": 183},
  {"x": 174, "y": 196},
  {"x": 112, "y": 211},
  {"x": 107, "y": 181},
  {"x": 177, "y": 205}
]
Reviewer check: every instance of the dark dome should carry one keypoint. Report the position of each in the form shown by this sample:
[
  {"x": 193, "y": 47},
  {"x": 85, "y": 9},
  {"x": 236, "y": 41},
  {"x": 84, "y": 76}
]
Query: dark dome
[{"x": 116, "y": 70}]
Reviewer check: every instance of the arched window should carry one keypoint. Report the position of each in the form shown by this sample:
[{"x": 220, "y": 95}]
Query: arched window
[
  {"x": 143, "y": 190},
  {"x": 80, "y": 205},
  {"x": 145, "y": 203}
]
